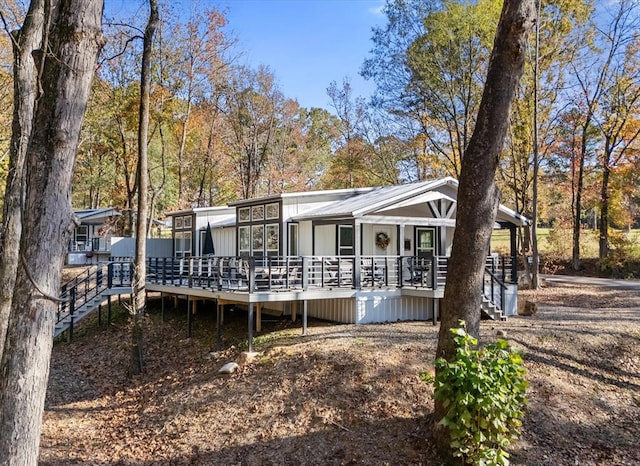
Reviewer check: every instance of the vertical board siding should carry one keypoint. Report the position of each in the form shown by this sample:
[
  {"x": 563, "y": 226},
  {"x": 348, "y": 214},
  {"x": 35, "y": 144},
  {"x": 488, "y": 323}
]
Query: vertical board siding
[
  {"x": 224, "y": 241},
  {"x": 372, "y": 308},
  {"x": 336, "y": 310}
]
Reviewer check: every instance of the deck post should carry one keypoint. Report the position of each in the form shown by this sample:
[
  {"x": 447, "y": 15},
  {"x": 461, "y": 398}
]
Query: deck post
[
  {"x": 109, "y": 310},
  {"x": 258, "y": 317},
  {"x": 304, "y": 317},
  {"x": 189, "y": 319},
  {"x": 293, "y": 305},
  {"x": 99, "y": 315},
  {"x": 162, "y": 306},
  {"x": 218, "y": 325},
  {"x": 250, "y": 319},
  {"x": 436, "y": 310}
]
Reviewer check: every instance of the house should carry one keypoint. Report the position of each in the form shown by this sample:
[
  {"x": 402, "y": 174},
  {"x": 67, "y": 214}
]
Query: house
[
  {"x": 350, "y": 255},
  {"x": 91, "y": 240}
]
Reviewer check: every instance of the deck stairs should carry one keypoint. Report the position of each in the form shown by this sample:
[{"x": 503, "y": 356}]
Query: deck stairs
[
  {"x": 84, "y": 294},
  {"x": 493, "y": 293},
  {"x": 490, "y": 310}
]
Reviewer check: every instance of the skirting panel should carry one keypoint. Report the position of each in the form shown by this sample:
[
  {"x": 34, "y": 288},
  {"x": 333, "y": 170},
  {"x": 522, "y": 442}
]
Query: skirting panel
[{"x": 372, "y": 308}]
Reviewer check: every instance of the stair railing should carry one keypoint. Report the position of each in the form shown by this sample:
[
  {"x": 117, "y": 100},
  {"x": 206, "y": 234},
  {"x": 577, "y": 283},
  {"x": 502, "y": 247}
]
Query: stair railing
[
  {"x": 494, "y": 287},
  {"x": 78, "y": 292}
]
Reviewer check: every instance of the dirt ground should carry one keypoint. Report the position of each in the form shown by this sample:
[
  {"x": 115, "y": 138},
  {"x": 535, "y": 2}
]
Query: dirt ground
[{"x": 343, "y": 395}]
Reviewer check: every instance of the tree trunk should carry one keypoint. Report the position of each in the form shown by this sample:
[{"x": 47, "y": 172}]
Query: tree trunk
[
  {"x": 577, "y": 211},
  {"x": 603, "y": 252},
  {"x": 139, "y": 266},
  {"x": 47, "y": 224},
  {"x": 478, "y": 195},
  {"x": 25, "y": 76}
]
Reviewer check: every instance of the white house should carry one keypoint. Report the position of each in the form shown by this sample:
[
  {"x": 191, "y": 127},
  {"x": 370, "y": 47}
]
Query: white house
[
  {"x": 349, "y": 255},
  {"x": 91, "y": 240}
]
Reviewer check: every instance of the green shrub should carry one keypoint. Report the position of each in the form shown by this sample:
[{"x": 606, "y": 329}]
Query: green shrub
[{"x": 483, "y": 391}]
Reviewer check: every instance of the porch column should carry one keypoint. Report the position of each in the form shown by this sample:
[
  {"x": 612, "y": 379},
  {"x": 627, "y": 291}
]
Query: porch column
[
  {"x": 514, "y": 253},
  {"x": 357, "y": 250}
]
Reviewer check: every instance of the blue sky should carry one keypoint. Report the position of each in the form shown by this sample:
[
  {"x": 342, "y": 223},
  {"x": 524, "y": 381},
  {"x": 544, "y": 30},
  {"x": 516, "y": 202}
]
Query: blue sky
[{"x": 307, "y": 43}]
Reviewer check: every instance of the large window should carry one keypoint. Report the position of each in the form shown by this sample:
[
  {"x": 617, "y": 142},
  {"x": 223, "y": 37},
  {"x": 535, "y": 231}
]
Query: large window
[
  {"x": 259, "y": 230},
  {"x": 183, "y": 235},
  {"x": 182, "y": 243},
  {"x": 244, "y": 241},
  {"x": 82, "y": 234},
  {"x": 345, "y": 240}
]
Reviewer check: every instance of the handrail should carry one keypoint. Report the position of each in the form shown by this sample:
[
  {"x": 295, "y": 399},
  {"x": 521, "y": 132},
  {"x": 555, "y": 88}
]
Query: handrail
[
  {"x": 499, "y": 299},
  {"x": 87, "y": 286}
]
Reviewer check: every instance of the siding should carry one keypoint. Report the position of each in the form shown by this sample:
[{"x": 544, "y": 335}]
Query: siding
[{"x": 372, "y": 307}]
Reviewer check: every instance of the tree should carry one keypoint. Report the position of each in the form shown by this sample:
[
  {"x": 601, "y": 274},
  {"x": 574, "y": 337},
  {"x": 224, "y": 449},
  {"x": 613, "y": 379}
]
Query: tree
[
  {"x": 447, "y": 64},
  {"x": 25, "y": 41},
  {"x": 349, "y": 167},
  {"x": 478, "y": 196},
  {"x": 67, "y": 63},
  {"x": 592, "y": 71},
  {"x": 142, "y": 174},
  {"x": 618, "y": 118},
  {"x": 252, "y": 107}
]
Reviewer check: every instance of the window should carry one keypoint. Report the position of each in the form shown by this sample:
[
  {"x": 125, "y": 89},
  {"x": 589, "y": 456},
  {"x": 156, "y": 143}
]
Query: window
[
  {"x": 182, "y": 235},
  {"x": 345, "y": 240},
  {"x": 182, "y": 243},
  {"x": 244, "y": 214},
  {"x": 425, "y": 242},
  {"x": 244, "y": 242},
  {"x": 273, "y": 240},
  {"x": 273, "y": 211},
  {"x": 82, "y": 233},
  {"x": 261, "y": 235},
  {"x": 257, "y": 240},
  {"x": 257, "y": 213},
  {"x": 293, "y": 239}
]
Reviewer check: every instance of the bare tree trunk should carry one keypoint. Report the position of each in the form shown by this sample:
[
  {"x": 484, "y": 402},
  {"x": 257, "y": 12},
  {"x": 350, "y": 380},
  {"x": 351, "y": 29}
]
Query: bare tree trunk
[
  {"x": 478, "y": 196},
  {"x": 25, "y": 76},
  {"x": 47, "y": 223},
  {"x": 535, "y": 276},
  {"x": 139, "y": 266},
  {"x": 603, "y": 249}
]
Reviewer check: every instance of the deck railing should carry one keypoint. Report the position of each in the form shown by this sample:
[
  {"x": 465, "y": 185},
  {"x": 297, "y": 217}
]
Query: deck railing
[{"x": 297, "y": 273}]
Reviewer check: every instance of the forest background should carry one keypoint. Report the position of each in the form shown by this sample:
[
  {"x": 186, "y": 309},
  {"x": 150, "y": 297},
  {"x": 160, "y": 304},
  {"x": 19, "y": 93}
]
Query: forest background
[{"x": 222, "y": 130}]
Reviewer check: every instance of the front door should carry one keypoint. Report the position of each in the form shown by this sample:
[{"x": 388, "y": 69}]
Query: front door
[{"x": 426, "y": 242}]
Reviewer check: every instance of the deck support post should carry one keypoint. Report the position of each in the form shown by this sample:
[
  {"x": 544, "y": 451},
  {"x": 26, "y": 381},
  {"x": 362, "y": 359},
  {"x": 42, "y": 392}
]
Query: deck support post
[
  {"x": 162, "y": 306},
  {"x": 293, "y": 305},
  {"x": 109, "y": 310},
  {"x": 219, "y": 309},
  {"x": 189, "y": 318},
  {"x": 258, "y": 317},
  {"x": 304, "y": 317},
  {"x": 250, "y": 318},
  {"x": 99, "y": 315},
  {"x": 436, "y": 310}
]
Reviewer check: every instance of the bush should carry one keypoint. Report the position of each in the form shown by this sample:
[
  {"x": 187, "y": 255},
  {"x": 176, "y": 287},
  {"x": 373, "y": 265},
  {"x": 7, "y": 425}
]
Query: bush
[{"x": 483, "y": 391}]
